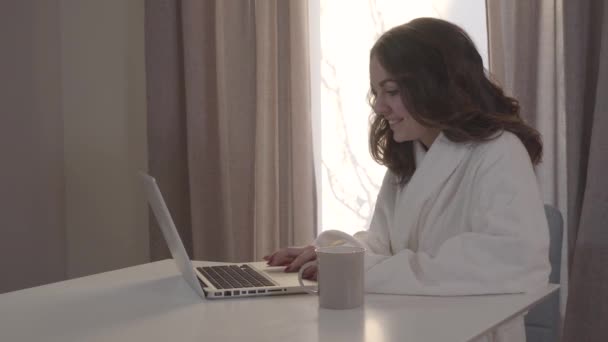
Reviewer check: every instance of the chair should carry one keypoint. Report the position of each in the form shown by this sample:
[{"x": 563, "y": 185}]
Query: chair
[{"x": 542, "y": 322}]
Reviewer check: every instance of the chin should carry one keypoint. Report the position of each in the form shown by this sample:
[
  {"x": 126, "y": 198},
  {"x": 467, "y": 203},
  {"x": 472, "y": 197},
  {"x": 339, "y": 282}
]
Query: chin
[{"x": 400, "y": 139}]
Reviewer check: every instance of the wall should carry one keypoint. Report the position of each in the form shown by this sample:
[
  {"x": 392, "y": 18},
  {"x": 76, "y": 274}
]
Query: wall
[
  {"x": 32, "y": 198},
  {"x": 103, "y": 97},
  {"x": 72, "y": 136}
]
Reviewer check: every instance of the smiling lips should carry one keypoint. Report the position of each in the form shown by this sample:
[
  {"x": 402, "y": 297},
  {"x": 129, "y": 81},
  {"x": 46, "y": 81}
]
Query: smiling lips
[{"x": 393, "y": 122}]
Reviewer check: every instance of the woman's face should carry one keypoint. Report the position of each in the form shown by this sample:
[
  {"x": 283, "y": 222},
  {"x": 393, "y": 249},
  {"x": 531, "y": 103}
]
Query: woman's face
[{"x": 388, "y": 103}]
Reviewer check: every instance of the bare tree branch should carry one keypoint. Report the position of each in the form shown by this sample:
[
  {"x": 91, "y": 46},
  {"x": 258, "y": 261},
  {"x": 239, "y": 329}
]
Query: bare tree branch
[
  {"x": 331, "y": 176},
  {"x": 361, "y": 204},
  {"x": 377, "y": 19},
  {"x": 337, "y": 91}
]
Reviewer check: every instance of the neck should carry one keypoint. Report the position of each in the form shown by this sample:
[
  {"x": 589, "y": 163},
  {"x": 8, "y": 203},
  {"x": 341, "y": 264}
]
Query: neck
[{"x": 428, "y": 139}]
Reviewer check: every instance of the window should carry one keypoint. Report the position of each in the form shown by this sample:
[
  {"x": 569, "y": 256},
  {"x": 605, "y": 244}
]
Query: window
[{"x": 350, "y": 179}]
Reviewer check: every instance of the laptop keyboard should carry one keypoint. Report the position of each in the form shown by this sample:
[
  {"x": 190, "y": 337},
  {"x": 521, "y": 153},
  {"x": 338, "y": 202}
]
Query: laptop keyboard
[{"x": 234, "y": 276}]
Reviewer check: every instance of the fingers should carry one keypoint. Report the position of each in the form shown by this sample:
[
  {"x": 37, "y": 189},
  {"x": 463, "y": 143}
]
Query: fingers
[
  {"x": 284, "y": 256},
  {"x": 294, "y": 258},
  {"x": 307, "y": 255},
  {"x": 296, "y": 251},
  {"x": 282, "y": 261},
  {"x": 272, "y": 258},
  {"x": 280, "y": 258},
  {"x": 310, "y": 273}
]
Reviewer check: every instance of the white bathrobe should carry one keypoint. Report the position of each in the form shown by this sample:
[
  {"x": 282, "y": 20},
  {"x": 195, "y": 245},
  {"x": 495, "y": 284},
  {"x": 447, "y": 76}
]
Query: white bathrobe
[{"x": 470, "y": 221}]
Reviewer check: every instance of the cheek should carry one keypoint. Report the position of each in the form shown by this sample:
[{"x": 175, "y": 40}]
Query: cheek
[
  {"x": 410, "y": 128},
  {"x": 405, "y": 114},
  {"x": 399, "y": 108}
]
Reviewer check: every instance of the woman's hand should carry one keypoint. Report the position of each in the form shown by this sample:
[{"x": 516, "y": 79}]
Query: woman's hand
[{"x": 294, "y": 258}]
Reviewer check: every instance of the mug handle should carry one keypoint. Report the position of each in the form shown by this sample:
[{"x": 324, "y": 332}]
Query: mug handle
[{"x": 305, "y": 266}]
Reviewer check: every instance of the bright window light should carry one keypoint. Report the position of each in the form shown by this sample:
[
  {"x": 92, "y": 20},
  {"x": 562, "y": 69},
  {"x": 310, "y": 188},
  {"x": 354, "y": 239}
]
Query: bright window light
[{"x": 350, "y": 179}]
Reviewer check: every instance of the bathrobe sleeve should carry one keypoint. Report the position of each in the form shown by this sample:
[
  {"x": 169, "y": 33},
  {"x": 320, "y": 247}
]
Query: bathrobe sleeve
[{"x": 504, "y": 251}]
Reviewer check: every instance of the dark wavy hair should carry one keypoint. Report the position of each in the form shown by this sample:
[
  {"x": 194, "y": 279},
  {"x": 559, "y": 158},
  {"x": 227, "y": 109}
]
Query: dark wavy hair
[{"x": 443, "y": 85}]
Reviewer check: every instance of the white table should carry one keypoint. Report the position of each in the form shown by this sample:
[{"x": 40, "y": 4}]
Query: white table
[{"x": 152, "y": 302}]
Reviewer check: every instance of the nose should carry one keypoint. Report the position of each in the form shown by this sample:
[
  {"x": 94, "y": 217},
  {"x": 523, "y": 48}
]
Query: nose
[{"x": 380, "y": 107}]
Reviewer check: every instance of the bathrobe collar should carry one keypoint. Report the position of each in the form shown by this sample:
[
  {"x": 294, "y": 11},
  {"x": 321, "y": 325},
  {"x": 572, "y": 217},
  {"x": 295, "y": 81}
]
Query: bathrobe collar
[{"x": 433, "y": 168}]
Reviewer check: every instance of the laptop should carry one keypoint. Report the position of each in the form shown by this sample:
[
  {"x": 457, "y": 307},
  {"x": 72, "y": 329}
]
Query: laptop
[{"x": 222, "y": 280}]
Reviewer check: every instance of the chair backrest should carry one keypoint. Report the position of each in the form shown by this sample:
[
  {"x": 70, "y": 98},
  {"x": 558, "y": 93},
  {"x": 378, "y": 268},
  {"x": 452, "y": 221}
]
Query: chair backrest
[{"x": 542, "y": 322}]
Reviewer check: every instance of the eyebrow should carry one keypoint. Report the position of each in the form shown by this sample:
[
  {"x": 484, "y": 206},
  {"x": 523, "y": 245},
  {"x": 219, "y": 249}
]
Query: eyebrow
[
  {"x": 386, "y": 80},
  {"x": 383, "y": 82}
]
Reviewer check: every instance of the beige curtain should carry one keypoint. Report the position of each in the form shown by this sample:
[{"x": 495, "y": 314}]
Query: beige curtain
[
  {"x": 553, "y": 55},
  {"x": 526, "y": 57},
  {"x": 586, "y": 57},
  {"x": 229, "y": 124}
]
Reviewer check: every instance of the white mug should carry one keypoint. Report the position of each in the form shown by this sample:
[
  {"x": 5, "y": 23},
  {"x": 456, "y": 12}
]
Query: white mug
[{"x": 340, "y": 276}]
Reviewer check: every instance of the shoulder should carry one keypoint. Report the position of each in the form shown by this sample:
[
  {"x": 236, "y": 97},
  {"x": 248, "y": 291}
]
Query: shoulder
[
  {"x": 503, "y": 156},
  {"x": 504, "y": 146},
  {"x": 503, "y": 142},
  {"x": 390, "y": 179},
  {"x": 390, "y": 183},
  {"x": 389, "y": 188}
]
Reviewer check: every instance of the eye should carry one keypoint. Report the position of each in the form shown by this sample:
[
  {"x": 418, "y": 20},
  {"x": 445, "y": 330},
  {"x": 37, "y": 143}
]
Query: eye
[{"x": 392, "y": 92}]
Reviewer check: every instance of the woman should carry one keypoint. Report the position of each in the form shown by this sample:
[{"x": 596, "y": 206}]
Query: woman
[{"x": 459, "y": 211}]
